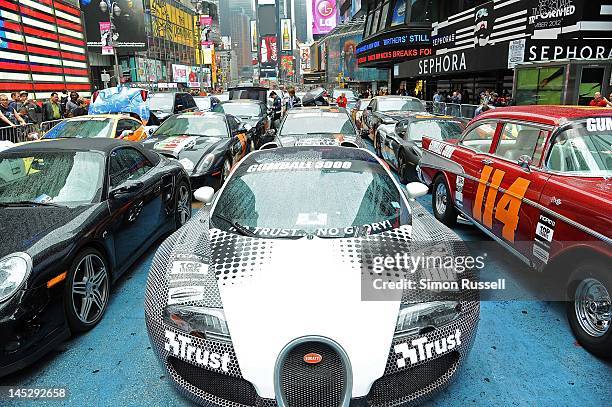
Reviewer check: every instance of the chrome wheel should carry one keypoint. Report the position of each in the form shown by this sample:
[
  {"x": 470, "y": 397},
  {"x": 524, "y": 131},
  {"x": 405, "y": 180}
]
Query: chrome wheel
[
  {"x": 441, "y": 199},
  {"x": 593, "y": 307},
  {"x": 90, "y": 289},
  {"x": 183, "y": 205}
]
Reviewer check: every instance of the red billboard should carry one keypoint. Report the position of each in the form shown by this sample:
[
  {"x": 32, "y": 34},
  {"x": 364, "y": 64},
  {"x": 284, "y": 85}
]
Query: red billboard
[{"x": 268, "y": 51}]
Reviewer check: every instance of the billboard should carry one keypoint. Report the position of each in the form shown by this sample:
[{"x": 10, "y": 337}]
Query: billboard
[
  {"x": 206, "y": 30},
  {"x": 286, "y": 35},
  {"x": 268, "y": 51},
  {"x": 128, "y": 25},
  {"x": 179, "y": 73},
  {"x": 342, "y": 59},
  {"x": 105, "y": 38},
  {"x": 171, "y": 23},
  {"x": 304, "y": 58},
  {"x": 324, "y": 16},
  {"x": 254, "y": 36}
]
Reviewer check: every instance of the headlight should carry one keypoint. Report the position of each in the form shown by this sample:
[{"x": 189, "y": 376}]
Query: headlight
[
  {"x": 208, "y": 323},
  {"x": 14, "y": 269},
  {"x": 187, "y": 164},
  {"x": 415, "y": 317},
  {"x": 205, "y": 163}
]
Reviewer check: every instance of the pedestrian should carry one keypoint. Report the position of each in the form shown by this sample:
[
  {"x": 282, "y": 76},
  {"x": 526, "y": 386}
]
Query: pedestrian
[
  {"x": 277, "y": 107},
  {"x": 437, "y": 97},
  {"x": 342, "y": 101},
  {"x": 292, "y": 100},
  {"x": 8, "y": 115},
  {"x": 81, "y": 109},
  {"x": 64, "y": 100},
  {"x": 482, "y": 108},
  {"x": 598, "y": 100},
  {"x": 34, "y": 110},
  {"x": 52, "y": 109},
  {"x": 71, "y": 104},
  {"x": 25, "y": 116}
]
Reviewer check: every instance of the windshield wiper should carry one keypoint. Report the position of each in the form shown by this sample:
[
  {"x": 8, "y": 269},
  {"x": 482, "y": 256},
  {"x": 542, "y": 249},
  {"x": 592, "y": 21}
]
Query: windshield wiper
[
  {"x": 241, "y": 229},
  {"x": 27, "y": 203}
]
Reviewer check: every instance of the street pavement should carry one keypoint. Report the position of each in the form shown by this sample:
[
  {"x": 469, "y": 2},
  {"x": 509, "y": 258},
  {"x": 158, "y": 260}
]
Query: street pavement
[{"x": 524, "y": 355}]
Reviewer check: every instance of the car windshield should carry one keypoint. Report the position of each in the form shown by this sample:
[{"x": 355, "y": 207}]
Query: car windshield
[
  {"x": 194, "y": 125},
  {"x": 319, "y": 123},
  {"x": 242, "y": 110},
  {"x": 163, "y": 102},
  {"x": 363, "y": 104},
  {"x": 348, "y": 93},
  {"x": 580, "y": 151},
  {"x": 65, "y": 177},
  {"x": 203, "y": 103},
  {"x": 81, "y": 128},
  {"x": 318, "y": 195},
  {"x": 398, "y": 104},
  {"x": 435, "y": 129}
]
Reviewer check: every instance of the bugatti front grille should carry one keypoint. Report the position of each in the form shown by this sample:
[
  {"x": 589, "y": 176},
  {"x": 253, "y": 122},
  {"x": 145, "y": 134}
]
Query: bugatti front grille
[
  {"x": 225, "y": 387},
  {"x": 321, "y": 384},
  {"x": 414, "y": 382}
]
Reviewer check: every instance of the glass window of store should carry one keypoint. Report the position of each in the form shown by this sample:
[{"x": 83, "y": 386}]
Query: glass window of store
[{"x": 540, "y": 86}]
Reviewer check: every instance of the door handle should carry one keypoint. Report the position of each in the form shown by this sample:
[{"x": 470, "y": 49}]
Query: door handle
[{"x": 487, "y": 161}]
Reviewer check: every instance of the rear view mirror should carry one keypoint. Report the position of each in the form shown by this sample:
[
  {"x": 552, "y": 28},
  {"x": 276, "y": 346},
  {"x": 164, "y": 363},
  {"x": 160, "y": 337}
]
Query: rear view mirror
[
  {"x": 416, "y": 190},
  {"x": 204, "y": 194}
]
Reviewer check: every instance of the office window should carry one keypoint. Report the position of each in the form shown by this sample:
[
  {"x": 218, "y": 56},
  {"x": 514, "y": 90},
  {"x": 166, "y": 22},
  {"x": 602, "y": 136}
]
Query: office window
[{"x": 383, "y": 16}]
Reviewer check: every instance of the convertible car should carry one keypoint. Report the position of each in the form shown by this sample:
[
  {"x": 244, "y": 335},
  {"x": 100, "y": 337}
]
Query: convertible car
[
  {"x": 207, "y": 144},
  {"x": 75, "y": 215},
  {"x": 265, "y": 297}
]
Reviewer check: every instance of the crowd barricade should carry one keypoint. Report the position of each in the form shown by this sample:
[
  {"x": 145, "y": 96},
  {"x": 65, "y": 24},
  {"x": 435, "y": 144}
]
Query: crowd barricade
[
  {"x": 464, "y": 111},
  {"x": 26, "y": 132}
]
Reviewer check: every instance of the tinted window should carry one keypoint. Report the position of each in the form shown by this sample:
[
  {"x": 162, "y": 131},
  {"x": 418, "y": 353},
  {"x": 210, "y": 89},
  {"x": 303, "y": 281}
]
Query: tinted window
[
  {"x": 127, "y": 164},
  {"x": 517, "y": 140},
  {"x": 193, "y": 125},
  {"x": 435, "y": 129},
  {"x": 188, "y": 101},
  {"x": 126, "y": 124},
  {"x": 398, "y": 104},
  {"x": 163, "y": 102},
  {"x": 480, "y": 137},
  {"x": 310, "y": 195},
  {"x": 82, "y": 128},
  {"x": 578, "y": 150},
  {"x": 59, "y": 177},
  {"x": 242, "y": 110}
]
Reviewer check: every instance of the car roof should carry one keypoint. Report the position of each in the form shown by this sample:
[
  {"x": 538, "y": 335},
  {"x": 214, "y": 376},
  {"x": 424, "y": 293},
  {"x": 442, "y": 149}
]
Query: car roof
[
  {"x": 102, "y": 116},
  {"x": 202, "y": 114},
  {"x": 102, "y": 144},
  {"x": 317, "y": 110},
  {"x": 545, "y": 114}
]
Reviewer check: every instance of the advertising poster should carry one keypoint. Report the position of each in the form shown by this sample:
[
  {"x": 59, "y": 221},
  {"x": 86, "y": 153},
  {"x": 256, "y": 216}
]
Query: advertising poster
[
  {"x": 286, "y": 35},
  {"x": 128, "y": 23},
  {"x": 179, "y": 73},
  {"x": 254, "y": 36},
  {"x": 342, "y": 59},
  {"x": 287, "y": 64},
  {"x": 324, "y": 16},
  {"x": 304, "y": 58},
  {"x": 268, "y": 51},
  {"x": 399, "y": 13},
  {"x": 206, "y": 31},
  {"x": 106, "y": 38}
]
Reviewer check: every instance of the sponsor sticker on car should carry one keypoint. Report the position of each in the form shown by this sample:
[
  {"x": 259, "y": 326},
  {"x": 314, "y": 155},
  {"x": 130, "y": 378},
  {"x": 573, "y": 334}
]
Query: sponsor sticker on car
[
  {"x": 421, "y": 349},
  {"x": 545, "y": 230},
  {"x": 181, "y": 346},
  {"x": 459, "y": 190},
  {"x": 175, "y": 144}
]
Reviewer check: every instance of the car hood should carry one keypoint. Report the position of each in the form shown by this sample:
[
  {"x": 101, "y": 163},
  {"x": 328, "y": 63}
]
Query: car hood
[
  {"x": 323, "y": 139},
  {"x": 397, "y": 115},
  {"x": 30, "y": 225},
  {"x": 297, "y": 288},
  {"x": 180, "y": 147}
]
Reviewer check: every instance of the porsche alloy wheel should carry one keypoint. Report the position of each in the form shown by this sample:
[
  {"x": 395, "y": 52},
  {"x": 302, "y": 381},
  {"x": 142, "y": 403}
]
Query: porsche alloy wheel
[
  {"x": 88, "y": 291},
  {"x": 183, "y": 205},
  {"x": 592, "y": 307}
]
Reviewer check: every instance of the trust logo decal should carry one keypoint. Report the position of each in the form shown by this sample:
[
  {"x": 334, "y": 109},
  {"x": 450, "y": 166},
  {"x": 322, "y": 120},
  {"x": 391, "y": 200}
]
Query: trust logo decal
[
  {"x": 180, "y": 346},
  {"x": 422, "y": 349}
]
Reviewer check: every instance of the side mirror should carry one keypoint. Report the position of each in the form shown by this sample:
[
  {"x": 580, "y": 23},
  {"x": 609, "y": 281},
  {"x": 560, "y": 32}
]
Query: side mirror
[
  {"x": 416, "y": 190},
  {"x": 204, "y": 194},
  {"x": 525, "y": 161},
  {"x": 127, "y": 188}
]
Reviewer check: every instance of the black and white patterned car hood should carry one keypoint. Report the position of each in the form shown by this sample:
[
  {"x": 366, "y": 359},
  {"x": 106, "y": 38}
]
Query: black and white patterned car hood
[{"x": 274, "y": 291}]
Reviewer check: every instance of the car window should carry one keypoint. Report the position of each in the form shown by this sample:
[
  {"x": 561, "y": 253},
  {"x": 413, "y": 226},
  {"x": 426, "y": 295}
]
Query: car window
[
  {"x": 178, "y": 100},
  {"x": 127, "y": 164},
  {"x": 126, "y": 124},
  {"x": 517, "y": 140},
  {"x": 189, "y": 103},
  {"x": 480, "y": 137},
  {"x": 579, "y": 151},
  {"x": 82, "y": 128},
  {"x": 233, "y": 123},
  {"x": 373, "y": 105}
]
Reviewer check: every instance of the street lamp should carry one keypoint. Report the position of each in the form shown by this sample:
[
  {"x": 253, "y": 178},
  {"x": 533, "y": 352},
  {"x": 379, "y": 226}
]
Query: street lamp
[{"x": 113, "y": 10}]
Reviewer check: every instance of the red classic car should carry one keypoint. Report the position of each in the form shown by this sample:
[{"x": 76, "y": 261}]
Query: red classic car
[{"x": 538, "y": 180}]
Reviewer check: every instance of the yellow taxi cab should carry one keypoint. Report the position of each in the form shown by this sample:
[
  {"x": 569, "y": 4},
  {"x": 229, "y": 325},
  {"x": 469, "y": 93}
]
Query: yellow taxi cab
[{"x": 119, "y": 125}]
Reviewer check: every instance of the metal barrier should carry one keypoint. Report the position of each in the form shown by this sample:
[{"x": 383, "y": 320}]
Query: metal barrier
[
  {"x": 26, "y": 132},
  {"x": 464, "y": 111}
]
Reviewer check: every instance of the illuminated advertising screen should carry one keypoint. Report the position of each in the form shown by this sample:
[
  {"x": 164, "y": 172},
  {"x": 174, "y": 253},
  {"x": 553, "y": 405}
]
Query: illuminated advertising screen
[
  {"x": 285, "y": 35},
  {"x": 324, "y": 16}
]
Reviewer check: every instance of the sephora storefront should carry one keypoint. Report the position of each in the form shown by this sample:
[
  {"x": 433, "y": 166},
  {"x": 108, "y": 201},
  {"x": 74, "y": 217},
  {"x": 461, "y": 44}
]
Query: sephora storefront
[{"x": 540, "y": 51}]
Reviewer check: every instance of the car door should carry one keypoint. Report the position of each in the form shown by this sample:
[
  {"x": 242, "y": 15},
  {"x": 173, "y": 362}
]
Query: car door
[
  {"x": 391, "y": 145},
  {"x": 473, "y": 155},
  {"x": 367, "y": 116},
  {"x": 135, "y": 201},
  {"x": 239, "y": 141},
  {"x": 514, "y": 178}
]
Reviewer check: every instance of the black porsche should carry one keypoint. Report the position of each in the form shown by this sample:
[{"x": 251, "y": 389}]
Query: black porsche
[
  {"x": 252, "y": 113},
  {"x": 75, "y": 214},
  {"x": 207, "y": 144},
  {"x": 402, "y": 148}
]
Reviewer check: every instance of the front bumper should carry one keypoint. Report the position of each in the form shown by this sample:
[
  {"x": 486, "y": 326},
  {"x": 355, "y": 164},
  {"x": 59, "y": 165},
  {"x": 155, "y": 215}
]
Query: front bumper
[
  {"x": 32, "y": 323},
  {"x": 409, "y": 384}
]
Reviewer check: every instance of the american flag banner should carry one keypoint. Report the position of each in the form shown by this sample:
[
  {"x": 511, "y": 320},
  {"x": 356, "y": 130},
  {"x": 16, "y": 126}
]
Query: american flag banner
[{"x": 42, "y": 47}]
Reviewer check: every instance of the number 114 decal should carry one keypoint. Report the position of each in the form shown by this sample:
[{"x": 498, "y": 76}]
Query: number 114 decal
[{"x": 509, "y": 205}]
